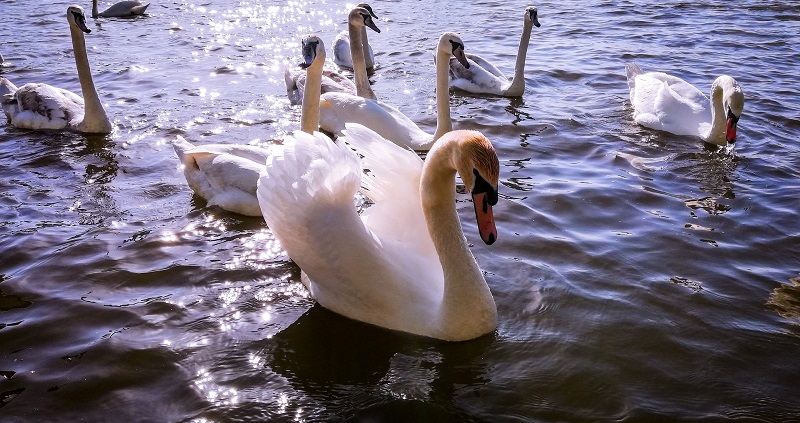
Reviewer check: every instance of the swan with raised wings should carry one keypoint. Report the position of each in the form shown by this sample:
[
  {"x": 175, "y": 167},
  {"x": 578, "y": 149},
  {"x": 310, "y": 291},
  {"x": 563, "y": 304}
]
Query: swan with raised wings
[
  {"x": 482, "y": 77},
  {"x": 336, "y": 109},
  {"x": 123, "y": 9},
  {"x": 42, "y": 106},
  {"x": 225, "y": 175},
  {"x": 332, "y": 81},
  {"x": 668, "y": 103},
  {"x": 404, "y": 264},
  {"x": 341, "y": 44}
]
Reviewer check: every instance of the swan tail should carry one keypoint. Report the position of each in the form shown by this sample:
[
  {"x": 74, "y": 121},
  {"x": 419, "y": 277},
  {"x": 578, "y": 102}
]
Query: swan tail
[
  {"x": 181, "y": 147},
  {"x": 632, "y": 70},
  {"x": 139, "y": 10},
  {"x": 308, "y": 173}
]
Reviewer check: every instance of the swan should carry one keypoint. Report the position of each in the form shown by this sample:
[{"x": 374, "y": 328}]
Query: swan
[
  {"x": 336, "y": 109},
  {"x": 42, "y": 106},
  {"x": 668, "y": 103},
  {"x": 484, "y": 78},
  {"x": 341, "y": 44},
  {"x": 332, "y": 81},
  {"x": 405, "y": 263},
  {"x": 225, "y": 175},
  {"x": 123, "y": 9}
]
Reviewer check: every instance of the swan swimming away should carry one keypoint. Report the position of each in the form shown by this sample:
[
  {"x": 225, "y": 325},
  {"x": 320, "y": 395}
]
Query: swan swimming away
[
  {"x": 42, "y": 106},
  {"x": 668, "y": 103},
  {"x": 360, "y": 18},
  {"x": 225, "y": 175},
  {"x": 482, "y": 77},
  {"x": 336, "y": 109},
  {"x": 404, "y": 264},
  {"x": 341, "y": 44},
  {"x": 123, "y": 9}
]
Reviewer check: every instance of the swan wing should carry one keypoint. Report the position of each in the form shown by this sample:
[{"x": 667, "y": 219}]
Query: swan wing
[
  {"x": 483, "y": 63},
  {"x": 477, "y": 79},
  {"x": 42, "y": 106},
  {"x": 332, "y": 82},
  {"x": 336, "y": 109},
  {"x": 306, "y": 195},
  {"x": 392, "y": 183},
  {"x": 668, "y": 103}
]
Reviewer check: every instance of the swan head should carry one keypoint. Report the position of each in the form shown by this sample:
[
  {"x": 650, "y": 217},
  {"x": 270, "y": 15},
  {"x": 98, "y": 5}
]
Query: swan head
[
  {"x": 362, "y": 16},
  {"x": 477, "y": 163},
  {"x": 450, "y": 44},
  {"x": 313, "y": 50},
  {"x": 75, "y": 16},
  {"x": 532, "y": 16},
  {"x": 368, "y": 8},
  {"x": 732, "y": 103}
]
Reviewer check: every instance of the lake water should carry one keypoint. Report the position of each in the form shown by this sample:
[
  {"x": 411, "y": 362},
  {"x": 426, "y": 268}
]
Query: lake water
[{"x": 639, "y": 276}]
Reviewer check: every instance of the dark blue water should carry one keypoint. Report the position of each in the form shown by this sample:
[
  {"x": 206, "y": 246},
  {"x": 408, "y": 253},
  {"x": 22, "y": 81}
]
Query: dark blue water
[{"x": 639, "y": 276}]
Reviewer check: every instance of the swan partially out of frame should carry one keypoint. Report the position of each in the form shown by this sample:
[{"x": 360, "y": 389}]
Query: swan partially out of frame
[
  {"x": 482, "y": 77},
  {"x": 404, "y": 264},
  {"x": 336, "y": 109},
  {"x": 668, "y": 103},
  {"x": 123, "y": 9},
  {"x": 42, "y": 106},
  {"x": 341, "y": 44}
]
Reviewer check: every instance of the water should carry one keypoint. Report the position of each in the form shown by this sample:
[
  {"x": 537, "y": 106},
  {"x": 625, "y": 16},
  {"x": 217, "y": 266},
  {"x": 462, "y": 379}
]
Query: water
[{"x": 639, "y": 276}]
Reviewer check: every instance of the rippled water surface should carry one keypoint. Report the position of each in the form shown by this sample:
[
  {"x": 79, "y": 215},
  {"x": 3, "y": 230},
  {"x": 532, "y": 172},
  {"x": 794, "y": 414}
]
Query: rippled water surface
[{"x": 639, "y": 276}]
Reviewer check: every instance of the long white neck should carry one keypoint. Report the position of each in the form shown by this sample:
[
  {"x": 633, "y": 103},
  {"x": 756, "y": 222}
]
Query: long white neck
[
  {"x": 443, "y": 121},
  {"x": 357, "y": 49},
  {"x": 467, "y": 306},
  {"x": 718, "y": 118},
  {"x": 94, "y": 9},
  {"x": 517, "y": 86},
  {"x": 95, "y": 119},
  {"x": 309, "y": 118}
]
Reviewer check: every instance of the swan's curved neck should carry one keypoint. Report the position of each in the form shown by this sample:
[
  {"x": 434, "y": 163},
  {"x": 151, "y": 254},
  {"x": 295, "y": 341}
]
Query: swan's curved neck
[
  {"x": 357, "y": 49},
  {"x": 467, "y": 303},
  {"x": 94, "y": 9},
  {"x": 309, "y": 117},
  {"x": 443, "y": 121},
  {"x": 95, "y": 119},
  {"x": 718, "y": 127},
  {"x": 365, "y": 45},
  {"x": 517, "y": 86}
]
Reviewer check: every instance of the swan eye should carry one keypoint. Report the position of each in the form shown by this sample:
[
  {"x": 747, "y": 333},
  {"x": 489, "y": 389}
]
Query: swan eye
[
  {"x": 481, "y": 186},
  {"x": 732, "y": 116},
  {"x": 456, "y": 45}
]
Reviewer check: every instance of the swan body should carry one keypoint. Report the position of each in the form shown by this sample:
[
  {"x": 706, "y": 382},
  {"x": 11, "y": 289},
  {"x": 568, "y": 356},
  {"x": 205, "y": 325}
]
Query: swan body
[
  {"x": 341, "y": 45},
  {"x": 42, "y": 106},
  {"x": 482, "y": 77},
  {"x": 668, "y": 103},
  {"x": 123, "y": 9},
  {"x": 226, "y": 175},
  {"x": 406, "y": 265},
  {"x": 337, "y": 109}
]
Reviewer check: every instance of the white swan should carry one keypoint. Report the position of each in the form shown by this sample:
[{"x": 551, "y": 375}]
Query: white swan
[
  {"x": 333, "y": 81},
  {"x": 668, "y": 103},
  {"x": 42, "y": 106},
  {"x": 405, "y": 263},
  {"x": 341, "y": 44},
  {"x": 225, "y": 175},
  {"x": 336, "y": 109},
  {"x": 484, "y": 78},
  {"x": 123, "y": 9}
]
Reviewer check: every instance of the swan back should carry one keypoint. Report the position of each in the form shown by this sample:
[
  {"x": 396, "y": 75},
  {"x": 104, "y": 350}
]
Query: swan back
[
  {"x": 225, "y": 175},
  {"x": 123, "y": 9}
]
